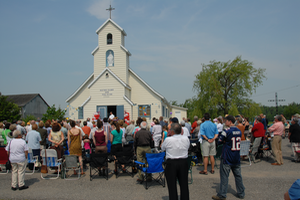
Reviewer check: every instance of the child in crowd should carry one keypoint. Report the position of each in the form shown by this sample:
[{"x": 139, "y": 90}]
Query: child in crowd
[
  {"x": 164, "y": 134},
  {"x": 87, "y": 143}
]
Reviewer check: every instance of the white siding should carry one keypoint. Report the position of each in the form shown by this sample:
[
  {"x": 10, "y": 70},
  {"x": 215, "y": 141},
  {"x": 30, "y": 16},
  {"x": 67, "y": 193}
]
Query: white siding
[
  {"x": 128, "y": 93},
  {"x": 98, "y": 99},
  {"x": 141, "y": 95},
  {"x": 183, "y": 113},
  {"x": 78, "y": 100}
]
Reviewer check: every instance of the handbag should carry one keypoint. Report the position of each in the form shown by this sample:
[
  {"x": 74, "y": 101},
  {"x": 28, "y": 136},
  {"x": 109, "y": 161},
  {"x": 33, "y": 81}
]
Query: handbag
[
  {"x": 44, "y": 168},
  {"x": 8, "y": 164}
]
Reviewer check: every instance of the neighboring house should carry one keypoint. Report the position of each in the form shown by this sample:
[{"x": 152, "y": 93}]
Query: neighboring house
[
  {"x": 114, "y": 86},
  {"x": 30, "y": 104}
]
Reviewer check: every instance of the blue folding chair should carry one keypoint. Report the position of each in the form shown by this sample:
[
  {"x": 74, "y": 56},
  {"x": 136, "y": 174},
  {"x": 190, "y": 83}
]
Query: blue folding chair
[
  {"x": 153, "y": 165},
  {"x": 31, "y": 159},
  {"x": 52, "y": 161}
]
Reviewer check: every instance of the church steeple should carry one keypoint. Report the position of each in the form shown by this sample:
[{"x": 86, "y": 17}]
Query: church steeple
[{"x": 111, "y": 52}]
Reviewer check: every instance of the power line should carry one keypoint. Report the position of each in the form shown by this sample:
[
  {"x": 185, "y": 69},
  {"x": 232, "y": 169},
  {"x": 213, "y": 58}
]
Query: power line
[{"x": 277, "y": 90}]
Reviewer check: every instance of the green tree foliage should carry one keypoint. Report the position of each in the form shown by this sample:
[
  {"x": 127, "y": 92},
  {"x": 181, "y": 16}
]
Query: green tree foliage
[
  {"x": 222, "y": 86},
  {"x": 287, "y": 111},
  {"x": 193, "y": 109},
  {"x": 53, "y": 113},
  {"x": 8, "y": 110},
  {"x": 174, "y": 103},
  {"x": 291, "y": 110},
  {"x": 251, "y": 109}
]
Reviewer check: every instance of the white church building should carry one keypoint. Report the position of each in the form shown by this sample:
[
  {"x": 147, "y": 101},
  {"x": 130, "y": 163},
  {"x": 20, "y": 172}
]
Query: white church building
[{"x": 115, "y": 87}]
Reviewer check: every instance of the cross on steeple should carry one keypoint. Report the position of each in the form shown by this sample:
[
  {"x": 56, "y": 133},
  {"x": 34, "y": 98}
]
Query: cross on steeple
[{"x": 110, "y": 9}]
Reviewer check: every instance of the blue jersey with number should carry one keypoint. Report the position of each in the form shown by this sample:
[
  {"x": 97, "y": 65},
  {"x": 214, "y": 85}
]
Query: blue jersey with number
[{"x": 231, "y": 140}]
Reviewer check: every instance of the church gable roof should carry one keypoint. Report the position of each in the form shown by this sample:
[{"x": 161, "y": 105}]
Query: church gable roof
[
  {"x": 113, "y": 74},
  {"x": 148, "y": 86},
  {"x": 81, "y": 86},
  {"x": 94, "y": 51},
  {"x": 114, "y": 23},
  {"x": 121, "y": 46}
]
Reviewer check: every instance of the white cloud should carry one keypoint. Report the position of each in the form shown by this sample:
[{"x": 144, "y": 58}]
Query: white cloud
[{"x": 98, "y": 9}]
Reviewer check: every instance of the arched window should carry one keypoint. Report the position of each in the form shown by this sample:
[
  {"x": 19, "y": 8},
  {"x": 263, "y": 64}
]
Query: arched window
[{"x": 109, "y": 38}]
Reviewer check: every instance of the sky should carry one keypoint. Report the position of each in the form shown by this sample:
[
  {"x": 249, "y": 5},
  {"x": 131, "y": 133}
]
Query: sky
[{"x": 45, "y": 46}]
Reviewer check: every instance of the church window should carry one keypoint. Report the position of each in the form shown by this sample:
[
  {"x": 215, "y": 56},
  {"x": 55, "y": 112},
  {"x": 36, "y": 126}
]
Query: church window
[
  {"x": 80, "y": 112},
  {"x": 163, "y": 111},
  {"x": 145, "y": 111},
  {"x": 109, "y": 58},
  {"x": 109, "y": 38}
]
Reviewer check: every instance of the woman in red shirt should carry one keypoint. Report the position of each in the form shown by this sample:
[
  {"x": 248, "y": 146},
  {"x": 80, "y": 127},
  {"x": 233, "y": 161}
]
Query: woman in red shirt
[{"x": 258, "y": 129}]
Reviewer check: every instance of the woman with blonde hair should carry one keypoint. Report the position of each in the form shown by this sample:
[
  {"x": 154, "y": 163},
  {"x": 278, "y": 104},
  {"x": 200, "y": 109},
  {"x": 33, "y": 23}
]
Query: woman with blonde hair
[{"x": 56, "y": 137}]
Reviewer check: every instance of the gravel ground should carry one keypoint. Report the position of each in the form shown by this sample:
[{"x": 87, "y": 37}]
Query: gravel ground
[{"x": 262, "y": 181}]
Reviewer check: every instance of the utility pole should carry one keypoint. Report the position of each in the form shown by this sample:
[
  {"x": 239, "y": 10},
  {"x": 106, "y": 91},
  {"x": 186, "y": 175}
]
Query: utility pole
[{"x": 276, "y": 102}]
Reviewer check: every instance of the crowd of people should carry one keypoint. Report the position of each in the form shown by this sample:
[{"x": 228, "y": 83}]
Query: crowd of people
[{"x": 110, "y": 135}]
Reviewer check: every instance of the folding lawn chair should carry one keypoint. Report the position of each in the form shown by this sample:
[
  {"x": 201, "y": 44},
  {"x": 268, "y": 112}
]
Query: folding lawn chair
[
  {"x": 96, "y": 162},
  {"x": 52, "y": 161},
  {"x": 154, "y": 166},
  {"x": 125, "y": 158},
  {"x": 297, "y": 150},
  {"x": 267, "y": 148},
  {"x": 70, "y": 163},
  {"x": 244, "y": 150},
  {"x": 254, "y": 149},
  {"x": 3, "y": 160},
  {"x": 31, "y": 159}
]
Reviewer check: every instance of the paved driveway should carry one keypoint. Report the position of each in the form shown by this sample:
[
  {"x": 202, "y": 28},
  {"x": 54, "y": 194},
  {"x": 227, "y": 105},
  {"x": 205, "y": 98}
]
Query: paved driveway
[{"x": 262, "y": 181}]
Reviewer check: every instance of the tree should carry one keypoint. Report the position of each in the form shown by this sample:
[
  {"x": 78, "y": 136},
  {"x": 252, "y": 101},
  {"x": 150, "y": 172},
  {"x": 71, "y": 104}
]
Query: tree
[
  {"x": 192, "y": 106},
  {"x": 52, "y": 113},
  {"x": 291, "y": 110},
  {"x": 174, "y": 103},
  {"x": 8, "y": 110},
  {"x": 222, "y": 86}
]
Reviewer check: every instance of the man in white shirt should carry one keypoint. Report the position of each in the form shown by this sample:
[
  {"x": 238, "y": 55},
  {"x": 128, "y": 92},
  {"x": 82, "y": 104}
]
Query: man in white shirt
[
  {"x": 186, "y": 131},
  {"x": 89, "y": 123},
  {"x": 176, "y": 148},
  {"x": 111, "y": 116}
]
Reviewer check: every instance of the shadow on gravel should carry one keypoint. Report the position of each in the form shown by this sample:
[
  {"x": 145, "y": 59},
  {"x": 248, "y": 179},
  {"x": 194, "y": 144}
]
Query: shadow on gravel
[
  {"x": 31, "y": 181},
  {"x": 230, "y": 190},
  {"x": 287, "y": 158}
]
